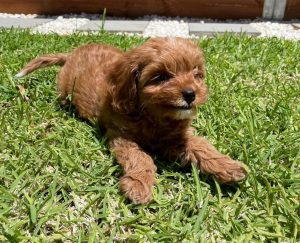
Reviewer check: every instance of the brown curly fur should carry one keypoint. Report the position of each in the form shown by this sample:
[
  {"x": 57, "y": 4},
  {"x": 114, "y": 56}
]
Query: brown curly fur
[{"x": 137, "y": 97}]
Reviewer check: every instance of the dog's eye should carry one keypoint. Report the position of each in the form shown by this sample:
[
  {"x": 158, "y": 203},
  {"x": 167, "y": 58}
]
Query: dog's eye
[
  {"x": 161, "y": 77},
  {"x": 198, "y": 76}
]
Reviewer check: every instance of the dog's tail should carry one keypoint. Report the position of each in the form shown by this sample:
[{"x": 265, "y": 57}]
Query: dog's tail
[{"x": 43, "y": 61}]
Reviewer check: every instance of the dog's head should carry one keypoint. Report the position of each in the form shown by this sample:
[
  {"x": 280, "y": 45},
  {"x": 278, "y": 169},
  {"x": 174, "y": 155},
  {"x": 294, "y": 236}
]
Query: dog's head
[{"x": 164, "y": 76}]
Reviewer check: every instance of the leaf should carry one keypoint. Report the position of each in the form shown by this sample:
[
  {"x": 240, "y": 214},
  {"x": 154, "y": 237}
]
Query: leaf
[
  {"x": 23, "y": 92},
  {"x": 32, "y": 213}
]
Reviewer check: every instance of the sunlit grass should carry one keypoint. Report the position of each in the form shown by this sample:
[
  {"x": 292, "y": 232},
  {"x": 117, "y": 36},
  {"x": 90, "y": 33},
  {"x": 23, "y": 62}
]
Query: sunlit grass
[{"x": 58, "y": 180}]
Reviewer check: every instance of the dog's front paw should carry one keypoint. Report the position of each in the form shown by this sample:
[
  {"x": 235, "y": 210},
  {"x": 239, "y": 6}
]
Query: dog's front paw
[
  {"x": 137, "y": 190},
  {"x": 231, "y": 171},
  {"x": 224, "y": 169}
]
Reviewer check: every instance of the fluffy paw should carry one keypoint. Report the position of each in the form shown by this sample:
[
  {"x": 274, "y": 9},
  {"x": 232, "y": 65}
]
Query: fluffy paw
[
  {"x": 231, "y": 171},
  {"x": 138, "y": 191},
  {"x": 224, "y": 169}
]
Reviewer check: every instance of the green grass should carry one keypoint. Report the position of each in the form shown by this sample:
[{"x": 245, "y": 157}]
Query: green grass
[{"x": 59, "y": 182}]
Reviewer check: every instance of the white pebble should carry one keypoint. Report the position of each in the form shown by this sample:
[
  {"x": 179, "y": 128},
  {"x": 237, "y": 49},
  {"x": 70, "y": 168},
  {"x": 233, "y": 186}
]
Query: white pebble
[
  {"x": 61, "y": 26},
  {"x": 159, "y": 25},
  {"x": 280, "y": 30},
  {"x": 167, "y": 28},
  {"x": 24, "y": 16}
]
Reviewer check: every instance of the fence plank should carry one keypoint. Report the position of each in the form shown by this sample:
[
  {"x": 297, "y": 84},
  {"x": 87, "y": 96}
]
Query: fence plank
[{"x": 220, "y": 9}]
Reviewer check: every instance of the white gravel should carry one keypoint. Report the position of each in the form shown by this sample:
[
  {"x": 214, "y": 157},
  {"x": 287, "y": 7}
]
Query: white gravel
[
  {"x": 280, "y": 30},
  {"x": 24, "y": 16},
  {"x": 61, "y": 26},
  {"x": 167, "y": 28},
  {"x": 160, "y": 26}
]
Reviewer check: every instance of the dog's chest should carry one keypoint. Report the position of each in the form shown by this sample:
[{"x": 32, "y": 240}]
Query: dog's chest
[{"x": 156, "y": 136}]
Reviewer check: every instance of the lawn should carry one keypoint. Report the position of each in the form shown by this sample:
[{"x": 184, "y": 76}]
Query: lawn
[{"x": 59, "y": 182}]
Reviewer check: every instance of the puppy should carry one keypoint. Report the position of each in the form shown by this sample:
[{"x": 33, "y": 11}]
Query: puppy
[{"x": 145, "y": 99}]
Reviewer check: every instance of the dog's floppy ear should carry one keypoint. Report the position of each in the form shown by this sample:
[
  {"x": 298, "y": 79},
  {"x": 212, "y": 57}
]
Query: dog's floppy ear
[{"x": 124, "y": 87}]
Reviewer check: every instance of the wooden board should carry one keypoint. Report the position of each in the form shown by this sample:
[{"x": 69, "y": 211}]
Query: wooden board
[
  {"x": 220, "y": 9},
  {"x": 292, "y": 10}
]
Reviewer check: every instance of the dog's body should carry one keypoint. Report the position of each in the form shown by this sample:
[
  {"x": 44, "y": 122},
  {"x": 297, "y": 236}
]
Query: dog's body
[{"x": 145, "y": 99}]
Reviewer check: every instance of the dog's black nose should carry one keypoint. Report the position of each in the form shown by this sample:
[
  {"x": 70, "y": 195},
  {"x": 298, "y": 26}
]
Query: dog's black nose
[{"x": 189, "y": 95}]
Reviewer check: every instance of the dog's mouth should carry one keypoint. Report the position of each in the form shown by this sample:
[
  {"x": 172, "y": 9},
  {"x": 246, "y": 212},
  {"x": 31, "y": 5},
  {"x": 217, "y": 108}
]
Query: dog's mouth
[
  {"x": 180, "y": 112},
  {"x": 184, "y": 112},
  {"x": 184, "y": 107},
  {"x": 180, "y": 107}
]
